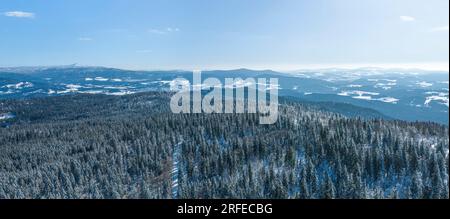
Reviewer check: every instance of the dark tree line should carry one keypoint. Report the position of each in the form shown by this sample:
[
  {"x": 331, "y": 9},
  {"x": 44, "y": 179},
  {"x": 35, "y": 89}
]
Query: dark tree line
[{"x": 93, "y": 146}]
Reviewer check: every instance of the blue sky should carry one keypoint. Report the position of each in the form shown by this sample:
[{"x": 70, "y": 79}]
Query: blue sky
[{"x": 225, "y": 34}]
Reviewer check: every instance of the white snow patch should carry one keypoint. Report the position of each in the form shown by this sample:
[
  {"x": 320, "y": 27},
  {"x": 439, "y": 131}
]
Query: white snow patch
[
  {"x": 116, "y": 87},
  {"x": 388, "y": 100},
  {"x": 365, "y": 95},
  {"x": 344, "y": 93},
  {"x": 362, "y": 97},
  {"x": 71, "y": 88},
  {"x": 91, "y": 92},
  {"x": 19, "y": 85},
  {"x": 7, "y": 92},
  {"x": 121, "y": 93},
  {"x": 440, "y": 99},
  {"x": 424, "y": 84},
  {"x": 74, "y": 86},
  {"x": 386, "y": 86},
  {"x": 66, "y": 91},
  {"x": 358, "y": 93},
  {"x": 5, "y": 116},
  {"x": 355, "y": 85},
  {"x": 101, "y": 79},
  {"x": 36, "y": 91}
]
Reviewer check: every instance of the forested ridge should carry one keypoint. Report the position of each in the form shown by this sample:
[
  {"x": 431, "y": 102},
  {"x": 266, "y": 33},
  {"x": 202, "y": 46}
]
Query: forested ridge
[{"x": 97, "y": 146}]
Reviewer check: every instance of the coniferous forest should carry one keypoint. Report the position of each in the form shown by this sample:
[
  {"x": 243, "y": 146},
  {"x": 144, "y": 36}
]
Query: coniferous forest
[{"x": 133, "y": 146}]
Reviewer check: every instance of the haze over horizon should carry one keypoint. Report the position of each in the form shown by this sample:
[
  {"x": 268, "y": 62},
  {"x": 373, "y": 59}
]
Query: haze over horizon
[{"x": 427, "y": 67}]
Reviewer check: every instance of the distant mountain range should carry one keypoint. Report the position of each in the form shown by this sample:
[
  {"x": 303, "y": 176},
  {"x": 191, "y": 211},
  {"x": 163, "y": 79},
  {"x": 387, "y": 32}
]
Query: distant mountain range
[{"x": 400, "y": 94}]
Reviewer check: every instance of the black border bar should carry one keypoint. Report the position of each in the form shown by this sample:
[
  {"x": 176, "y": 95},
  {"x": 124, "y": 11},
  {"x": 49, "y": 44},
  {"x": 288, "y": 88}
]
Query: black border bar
[{"x": 169, "y": 208}]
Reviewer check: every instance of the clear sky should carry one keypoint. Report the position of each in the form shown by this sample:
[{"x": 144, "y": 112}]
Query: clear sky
[{"x": 205, "y": 34}]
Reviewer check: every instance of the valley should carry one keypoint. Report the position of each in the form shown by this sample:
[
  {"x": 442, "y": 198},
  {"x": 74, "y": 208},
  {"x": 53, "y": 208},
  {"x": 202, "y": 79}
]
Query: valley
[{"x": 411, "y": 95}]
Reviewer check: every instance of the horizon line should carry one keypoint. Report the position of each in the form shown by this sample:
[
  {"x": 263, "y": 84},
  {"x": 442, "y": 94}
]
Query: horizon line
[{"x": 431, "y": 66}]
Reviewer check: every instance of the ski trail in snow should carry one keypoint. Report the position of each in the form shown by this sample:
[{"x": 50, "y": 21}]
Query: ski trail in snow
[{"x": 174, "y": 172}]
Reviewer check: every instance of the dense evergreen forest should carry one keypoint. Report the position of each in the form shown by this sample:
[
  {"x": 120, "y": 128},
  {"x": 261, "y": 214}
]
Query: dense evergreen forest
[{"x": 98, "y": 146}]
